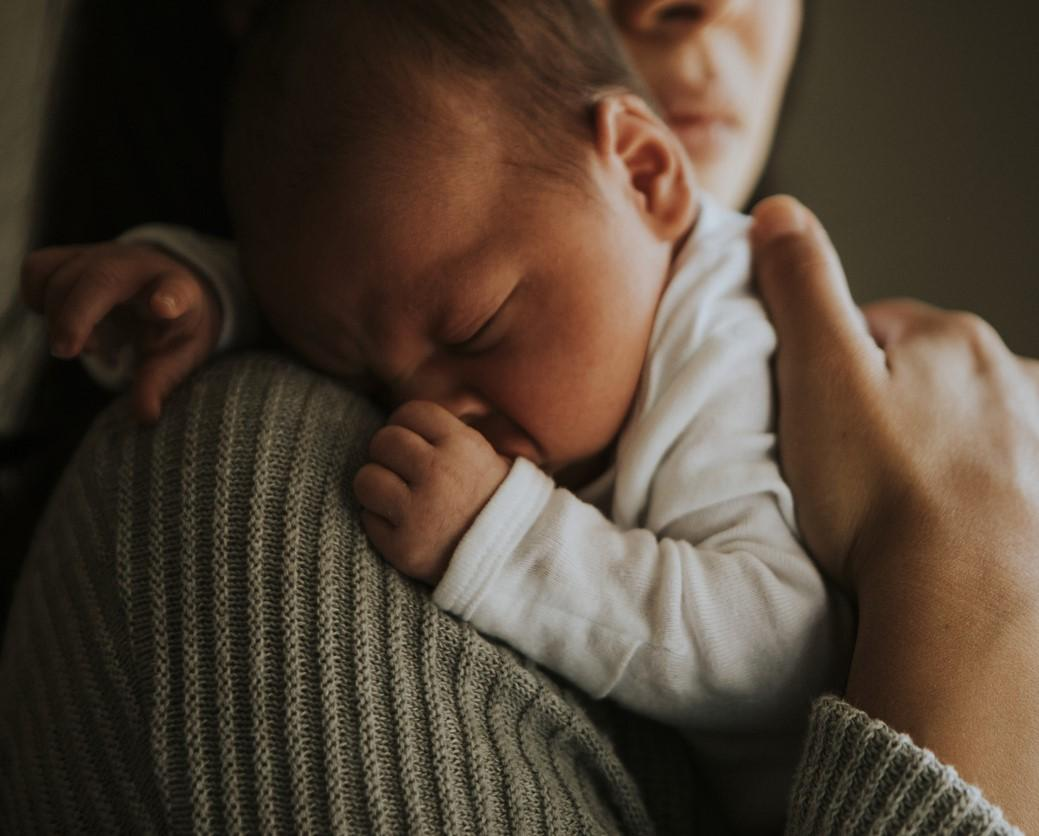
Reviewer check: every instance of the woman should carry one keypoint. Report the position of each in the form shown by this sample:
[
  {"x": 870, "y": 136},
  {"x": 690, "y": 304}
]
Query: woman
[{"x": 202, "y": 640}]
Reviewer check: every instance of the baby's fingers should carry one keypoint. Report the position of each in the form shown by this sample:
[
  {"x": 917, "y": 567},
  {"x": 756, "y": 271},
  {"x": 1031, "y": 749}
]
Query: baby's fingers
[
  {"x": 38, "y": 268},
  {"x": 160, "y": 373},
  {"x": 174, "y": 294},
  {"x": 82, "y": 293},
  {"x": 382, "y": 492}
]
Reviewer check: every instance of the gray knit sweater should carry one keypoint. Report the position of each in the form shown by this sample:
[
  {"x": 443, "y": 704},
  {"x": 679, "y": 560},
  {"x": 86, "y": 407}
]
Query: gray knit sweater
[{"x": 203, "y": 641}]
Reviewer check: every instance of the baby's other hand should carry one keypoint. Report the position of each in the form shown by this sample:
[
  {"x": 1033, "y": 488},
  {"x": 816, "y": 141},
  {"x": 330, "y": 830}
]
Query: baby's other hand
[
  {"x": 429, "y": 477},
  {"x": 103, "y": 298}
]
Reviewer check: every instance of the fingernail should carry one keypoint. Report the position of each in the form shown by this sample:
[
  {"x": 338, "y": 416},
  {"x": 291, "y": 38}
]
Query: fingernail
[
  {"x": 166, "y": 303},
  {"x": 777, "y": 219}
]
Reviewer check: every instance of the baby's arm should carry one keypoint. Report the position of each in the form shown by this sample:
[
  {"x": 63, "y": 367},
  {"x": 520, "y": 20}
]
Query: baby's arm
[
  {"x": 721, "y": 622},
  {"x": 699, "y": 605},
  {"x": 731, "y": 633},
  {"x": 150, "y": 307},
  {"x": 727, "y": 633}
]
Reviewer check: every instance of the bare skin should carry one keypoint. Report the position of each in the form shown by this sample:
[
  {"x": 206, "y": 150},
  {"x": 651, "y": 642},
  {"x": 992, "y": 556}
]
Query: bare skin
[
  {"x": 511, "y": 320},
  {"x": 932, "y": 519},
  {"x": 930, "y": 525},
  {"x": 100, "y": 297}
]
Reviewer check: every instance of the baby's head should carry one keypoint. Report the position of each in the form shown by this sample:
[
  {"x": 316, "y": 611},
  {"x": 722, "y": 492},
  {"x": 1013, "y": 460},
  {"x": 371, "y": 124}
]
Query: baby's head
[{"x": 463, "y": 201}]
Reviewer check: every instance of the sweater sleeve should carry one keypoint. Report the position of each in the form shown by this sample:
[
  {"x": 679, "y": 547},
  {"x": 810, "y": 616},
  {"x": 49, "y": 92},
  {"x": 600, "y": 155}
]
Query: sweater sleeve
[
  {"x": 858, "y": 775},
  {"x": 203, "y": 641}
]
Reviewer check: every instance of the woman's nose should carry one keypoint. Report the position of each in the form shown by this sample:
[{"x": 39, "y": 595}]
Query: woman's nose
[{"x": 647, "y": 17}]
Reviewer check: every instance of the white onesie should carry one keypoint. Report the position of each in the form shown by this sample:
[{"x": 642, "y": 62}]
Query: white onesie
[{"x": 675, "y": 583}]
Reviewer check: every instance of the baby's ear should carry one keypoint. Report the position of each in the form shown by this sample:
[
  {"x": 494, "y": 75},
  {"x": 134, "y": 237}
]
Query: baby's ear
[{"x": 632, "y": 139}]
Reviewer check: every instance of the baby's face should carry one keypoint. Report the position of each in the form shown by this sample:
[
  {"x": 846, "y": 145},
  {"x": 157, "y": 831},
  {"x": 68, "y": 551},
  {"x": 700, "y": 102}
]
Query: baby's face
[{"x": 521, "y": 303}]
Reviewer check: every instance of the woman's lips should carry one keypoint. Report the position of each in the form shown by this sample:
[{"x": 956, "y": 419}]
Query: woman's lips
[{"x": 704, "y": 134}]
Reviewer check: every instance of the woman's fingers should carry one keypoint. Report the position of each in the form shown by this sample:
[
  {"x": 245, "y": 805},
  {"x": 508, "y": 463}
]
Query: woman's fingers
[
  {"x": 891, "y": 321},
  {"x": 1030, "y": 368},
  {"x": 802, "y": 282}
]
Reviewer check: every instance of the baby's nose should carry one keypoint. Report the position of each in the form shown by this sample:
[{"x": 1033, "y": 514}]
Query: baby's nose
[
  {"x": 467, "y": 407},
  {"x": 439, "y": 384}
]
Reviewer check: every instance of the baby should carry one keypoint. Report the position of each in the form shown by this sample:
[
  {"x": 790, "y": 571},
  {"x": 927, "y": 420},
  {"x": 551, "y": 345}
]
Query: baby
[{"x": 469, "y": 211}]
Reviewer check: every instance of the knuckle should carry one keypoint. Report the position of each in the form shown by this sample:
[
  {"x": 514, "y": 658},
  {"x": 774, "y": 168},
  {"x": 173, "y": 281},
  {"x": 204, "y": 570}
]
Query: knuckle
[
  {"x": 407, "y": 413},
  {"x": 103, "y": 276},
  {"x": 363, "y": 480},
  {"x": 386, "y": 439},
  {"x": 983, "y": 340},
  {"x": 407, "y": 548},
  {"x": 67, "y": 323},
  {"x": 377, "y": 445},
  {"x": 974, "y": 327}
]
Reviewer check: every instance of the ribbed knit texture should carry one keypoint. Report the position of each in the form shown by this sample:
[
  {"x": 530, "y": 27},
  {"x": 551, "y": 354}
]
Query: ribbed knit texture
[
  {"x": 202, "y": 641},
  {"x": 857, "y": 776}
]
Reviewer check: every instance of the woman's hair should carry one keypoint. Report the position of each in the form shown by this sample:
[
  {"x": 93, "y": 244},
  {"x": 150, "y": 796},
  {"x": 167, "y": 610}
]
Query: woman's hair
[{"x": 317, "y": 79}]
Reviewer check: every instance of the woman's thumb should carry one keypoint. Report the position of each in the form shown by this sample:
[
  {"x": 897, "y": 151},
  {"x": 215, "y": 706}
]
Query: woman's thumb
[{"x": 802, "y": 282}]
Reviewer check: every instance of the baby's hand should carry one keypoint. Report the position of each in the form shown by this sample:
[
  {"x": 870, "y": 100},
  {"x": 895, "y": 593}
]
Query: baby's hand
[
  {"x": 429, "y": 477},
  {"x": 103, "y": 298}
]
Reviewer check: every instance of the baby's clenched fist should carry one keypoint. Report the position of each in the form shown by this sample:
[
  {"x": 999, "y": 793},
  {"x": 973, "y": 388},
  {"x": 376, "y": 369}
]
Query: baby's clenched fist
[{"x": 428, "y": 478}]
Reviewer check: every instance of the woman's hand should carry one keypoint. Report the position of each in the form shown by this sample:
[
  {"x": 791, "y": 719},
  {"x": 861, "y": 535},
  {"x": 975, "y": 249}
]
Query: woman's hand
[
  {"x": 913, "y": 452},
  {"x": 929, "y": 428}
]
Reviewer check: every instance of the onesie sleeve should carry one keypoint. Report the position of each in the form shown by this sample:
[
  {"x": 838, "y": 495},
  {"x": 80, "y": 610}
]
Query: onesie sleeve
[
  {"x": 693, "y": 636},
  {"x": 695, "y": 601},
  {"x": 706, "y": 612},
  {"x": 214, "y": 260}
]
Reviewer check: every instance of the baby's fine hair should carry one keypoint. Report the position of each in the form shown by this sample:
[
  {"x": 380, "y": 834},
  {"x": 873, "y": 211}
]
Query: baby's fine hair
[{"x": 546, "y": 62}]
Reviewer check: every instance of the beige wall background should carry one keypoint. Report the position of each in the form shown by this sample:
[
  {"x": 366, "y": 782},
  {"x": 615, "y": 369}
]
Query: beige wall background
[
  {"x": 913, "y": 131},
  {"x": 28, "y": 33},
  {"x": 27, "y": 37}
]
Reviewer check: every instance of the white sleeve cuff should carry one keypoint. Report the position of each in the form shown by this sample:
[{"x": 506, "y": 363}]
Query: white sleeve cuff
[{"x": 493, "y": 538}]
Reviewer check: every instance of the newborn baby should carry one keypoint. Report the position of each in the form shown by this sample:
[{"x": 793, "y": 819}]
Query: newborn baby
[{"x": 469, "y": 211}]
